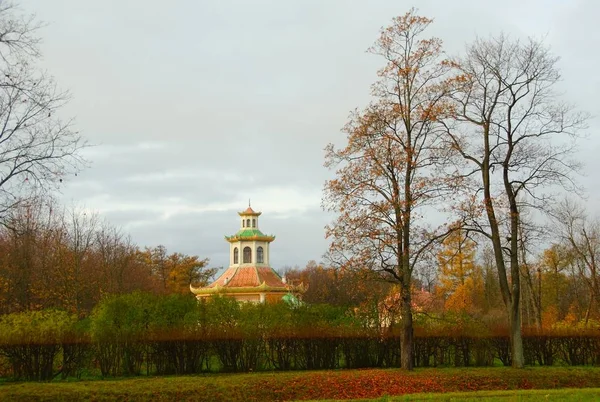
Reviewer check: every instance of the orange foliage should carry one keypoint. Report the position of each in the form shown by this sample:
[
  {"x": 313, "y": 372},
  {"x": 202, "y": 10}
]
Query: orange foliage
[
  {"x": 549, "y": 316},
  {"x": 52, "y": 258}
]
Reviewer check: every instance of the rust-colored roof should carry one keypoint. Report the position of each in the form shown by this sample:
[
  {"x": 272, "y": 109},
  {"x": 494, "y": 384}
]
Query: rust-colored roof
[
  {"x": 269, "y": 276},
  {"x": 249, "y": 211},
  {"x": 221, "y": 279},
  {"x": 248, "y": 276},
  {"x": 244, "y": 277}
]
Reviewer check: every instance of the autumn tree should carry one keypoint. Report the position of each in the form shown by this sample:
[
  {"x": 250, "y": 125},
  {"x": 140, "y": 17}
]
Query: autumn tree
[
  {"x": 323, "y": 284},
  {"x": 456, "y": 260},
  {"x": 76, "y": 278},
  {"x": 342, "y": 288},
  {"x": 66, "y": 258},
  {"x": 173, "y": 273},
  {"x": 118, "y": 267},
  {"x": 158, "y": 259},
  {"x": 185, "y": 270},
  {"x": 515, "y": 137},
  {"x": 37, "y": 148},
  {"x": 20, "y": 271},
  {"x": 460, "y": 279},
  {"x": 387, "y": 172}
]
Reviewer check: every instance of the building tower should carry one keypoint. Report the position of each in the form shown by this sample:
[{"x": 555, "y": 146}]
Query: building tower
[{"x": 249, "y": 276}]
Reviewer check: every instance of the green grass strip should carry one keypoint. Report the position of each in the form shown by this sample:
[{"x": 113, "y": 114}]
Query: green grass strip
[{"x": 370, "y": 384}]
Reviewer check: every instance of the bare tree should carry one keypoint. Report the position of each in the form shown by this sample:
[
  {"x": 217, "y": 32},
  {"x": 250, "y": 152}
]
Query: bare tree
[
  {"x": 516, "y": 140},
  {"x": 387, "y": 173},
  {"x": 120, "y": 265},
  {"x": 582, "y": 235},
  {"x": 530, "y": 235},
  {"x": 75, "y": 276},
  {"x": 37, "y": 148}
]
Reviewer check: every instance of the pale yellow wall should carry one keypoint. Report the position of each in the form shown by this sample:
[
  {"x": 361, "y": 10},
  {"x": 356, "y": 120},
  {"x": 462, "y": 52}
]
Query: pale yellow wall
[
  {"x": 252, "y": 298},
  {"x": 254, "y": 246},
  {"x": 246, "y": 217},
  {"x": 247, "y": 298}
]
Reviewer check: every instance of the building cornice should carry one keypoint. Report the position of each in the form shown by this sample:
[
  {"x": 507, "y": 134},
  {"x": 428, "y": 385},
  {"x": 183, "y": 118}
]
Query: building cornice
[{"x": 236, "y": 238}]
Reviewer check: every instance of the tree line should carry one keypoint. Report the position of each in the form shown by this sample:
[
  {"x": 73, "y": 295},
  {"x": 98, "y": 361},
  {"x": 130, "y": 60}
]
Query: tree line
[
  {"x": 54, "y": 257},
  {"x": 461, "y": 284}
]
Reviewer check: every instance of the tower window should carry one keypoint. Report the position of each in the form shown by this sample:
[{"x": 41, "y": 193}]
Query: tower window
[
  {"x": 243, "y": 223},
  {"x": 236, "y": 255},
  {"x": 259, "y": 255},
  {"x": 247, "y": 255},
  {"x": 253, "y": 223},
  {"x": 247, "y": 222}
]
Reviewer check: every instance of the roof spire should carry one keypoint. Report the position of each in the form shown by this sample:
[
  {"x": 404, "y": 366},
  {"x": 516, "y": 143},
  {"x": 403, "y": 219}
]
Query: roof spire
[{"x": 249, "y": 203}]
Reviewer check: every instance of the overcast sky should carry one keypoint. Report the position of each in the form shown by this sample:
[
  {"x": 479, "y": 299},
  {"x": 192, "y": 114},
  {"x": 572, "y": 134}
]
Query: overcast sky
[{"x": 196, "y": 106}]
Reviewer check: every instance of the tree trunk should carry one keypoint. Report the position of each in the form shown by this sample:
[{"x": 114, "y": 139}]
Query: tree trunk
[
  {"x": 406, "y": 343},
  {"x": 536, "y": 301},
  {"x": 406, "y": 351},
  {"x": 588, "y": 310},
  {"x": 535, "y": 298},
  {"x": 516, "y": 340}
]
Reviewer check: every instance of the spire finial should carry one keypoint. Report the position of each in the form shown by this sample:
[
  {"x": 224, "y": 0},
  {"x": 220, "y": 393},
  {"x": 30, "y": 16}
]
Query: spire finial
[{"x": 249, "y": 203}]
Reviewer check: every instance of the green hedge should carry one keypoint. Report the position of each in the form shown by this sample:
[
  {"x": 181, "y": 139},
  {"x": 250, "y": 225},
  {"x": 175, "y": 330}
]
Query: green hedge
[{"x": 144, "y": 334}]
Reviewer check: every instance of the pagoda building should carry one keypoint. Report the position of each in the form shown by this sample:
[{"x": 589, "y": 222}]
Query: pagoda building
[{"x": 249, "y": 276}]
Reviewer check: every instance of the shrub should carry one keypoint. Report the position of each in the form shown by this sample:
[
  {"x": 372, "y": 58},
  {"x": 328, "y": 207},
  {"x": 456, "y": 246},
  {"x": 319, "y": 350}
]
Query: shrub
[{"x": 32, "y": 340}]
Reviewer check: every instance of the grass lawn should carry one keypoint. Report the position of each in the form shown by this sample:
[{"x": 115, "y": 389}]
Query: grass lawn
[
  {"x": 369, "y": 384},
  {"x": 566, "y": 395}
]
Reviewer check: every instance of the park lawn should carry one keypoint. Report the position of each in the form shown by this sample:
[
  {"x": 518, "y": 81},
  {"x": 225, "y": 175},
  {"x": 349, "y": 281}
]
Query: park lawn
[
  {"x": 563, "y": 395},
  {"x": 307, "y": 385}
]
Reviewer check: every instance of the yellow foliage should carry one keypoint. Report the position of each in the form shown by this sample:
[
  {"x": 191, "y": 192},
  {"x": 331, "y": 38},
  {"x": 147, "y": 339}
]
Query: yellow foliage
[
  {"x": 456, "y": 261},
  {"x": 460, "y": 281},
  {"x": 466, "y": 297},
  {"x": 460, "y": 300}
]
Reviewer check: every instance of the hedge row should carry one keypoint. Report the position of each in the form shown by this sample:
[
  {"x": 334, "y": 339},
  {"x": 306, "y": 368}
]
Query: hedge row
[
  {"x": 42, "y": 362},
  {"x": 142, "y": 334}
]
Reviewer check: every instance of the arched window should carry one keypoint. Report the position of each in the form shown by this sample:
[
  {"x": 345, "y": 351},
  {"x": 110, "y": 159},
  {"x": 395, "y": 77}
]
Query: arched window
[
  {"x": 248, "y": 223},
  {"x": 236, "y": 255},
  {"x": 253, "y": 223},
  {"x": 259, "y": 255},
  {"x": 247, "y": 255},
  {"x": 243, "y": 223}
]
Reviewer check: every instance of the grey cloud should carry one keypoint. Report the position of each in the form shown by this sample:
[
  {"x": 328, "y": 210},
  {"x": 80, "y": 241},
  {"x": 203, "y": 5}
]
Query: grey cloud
[{"x": 197, "y": 106}]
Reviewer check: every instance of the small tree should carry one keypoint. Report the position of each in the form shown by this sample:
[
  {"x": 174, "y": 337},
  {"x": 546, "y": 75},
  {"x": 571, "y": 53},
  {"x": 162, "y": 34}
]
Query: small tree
[{"x": 31, "y": 341}]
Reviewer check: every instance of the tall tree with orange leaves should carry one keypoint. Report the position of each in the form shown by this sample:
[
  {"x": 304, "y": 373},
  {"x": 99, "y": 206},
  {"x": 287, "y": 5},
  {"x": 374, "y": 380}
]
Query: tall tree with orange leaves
[{"x": 389, "y": 171}]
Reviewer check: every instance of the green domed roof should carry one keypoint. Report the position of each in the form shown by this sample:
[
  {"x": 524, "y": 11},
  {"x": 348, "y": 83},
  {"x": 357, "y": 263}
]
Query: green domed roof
[{"x": 249, "y": 234}]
